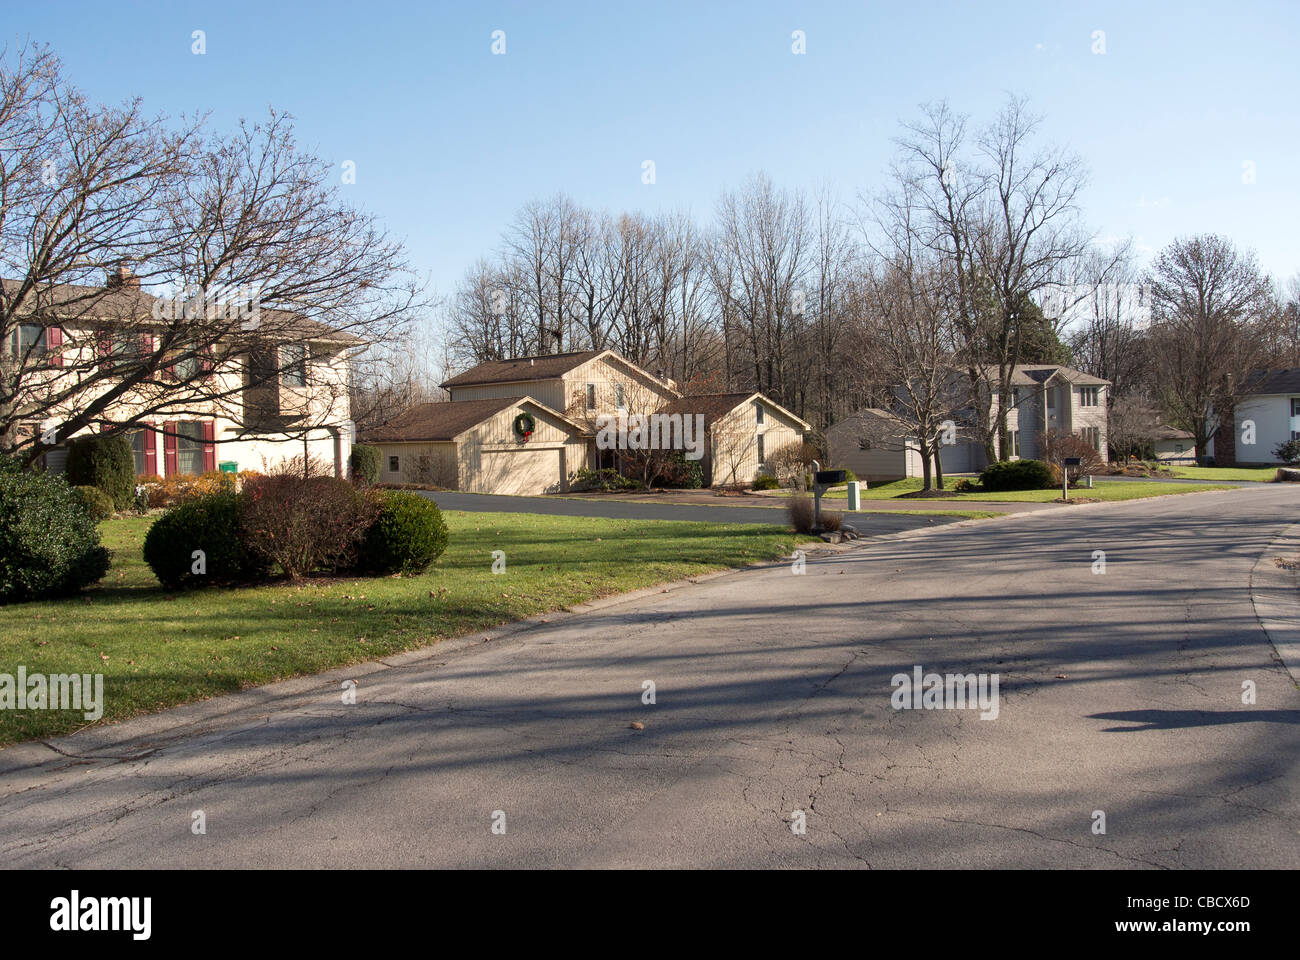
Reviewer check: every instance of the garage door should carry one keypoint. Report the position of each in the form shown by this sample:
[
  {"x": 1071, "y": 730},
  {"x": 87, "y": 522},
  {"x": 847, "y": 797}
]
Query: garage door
[{"x": 520, "y": 472}]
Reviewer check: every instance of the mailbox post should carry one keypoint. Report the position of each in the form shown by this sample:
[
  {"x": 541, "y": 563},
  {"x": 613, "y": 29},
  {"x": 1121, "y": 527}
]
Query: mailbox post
[
  {"x": 1065, "y": 475},
  {"x": 823, "y": 480}
]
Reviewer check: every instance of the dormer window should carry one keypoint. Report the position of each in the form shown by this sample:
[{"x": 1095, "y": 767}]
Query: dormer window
[
  {"x": 619, "y": 402},
  {"x": 758, "y": 413},
  {"x": 591, "y": 396}
]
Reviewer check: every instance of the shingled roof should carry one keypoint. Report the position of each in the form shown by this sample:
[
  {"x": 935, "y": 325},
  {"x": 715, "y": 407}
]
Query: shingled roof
[
  {"x": 439, "y": 421},
  {"x": 127, "y": 303},
  {"x": 521, "y": 369},
  {"x": 715, "y": 406},
  {"x": 1274, "y": 381}
]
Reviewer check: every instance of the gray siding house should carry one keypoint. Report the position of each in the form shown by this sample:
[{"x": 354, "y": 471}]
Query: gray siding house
[{"x": 875, "y": 445}]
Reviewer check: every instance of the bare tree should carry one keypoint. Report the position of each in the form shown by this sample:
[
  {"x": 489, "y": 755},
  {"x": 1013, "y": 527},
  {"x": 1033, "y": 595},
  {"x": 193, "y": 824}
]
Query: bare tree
[
  {"x": 260, "y": 276},
  {"x": 1210, "y": 304}
]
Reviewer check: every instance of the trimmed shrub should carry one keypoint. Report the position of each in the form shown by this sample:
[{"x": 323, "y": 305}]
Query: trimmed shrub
[
  {"x": 105, "y": 462},
  {"x": 49, "y": 544},
  {"x": 95, "y": 502},
  {"x": 363, "y": 463},
  {"x": 1016, "y": 475},
  {"x": 963, "y": 485},
  {"x": 406, "y": 537},
  {"x": 208, "y": 522},
  {"x": 765, "y": 481},
  {"x": 682, "y": 474},
  {"x": 304, "y": 524},
  {"x": 607, "y": 479}
]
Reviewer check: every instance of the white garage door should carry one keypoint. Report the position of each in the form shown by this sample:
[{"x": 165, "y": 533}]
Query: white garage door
[{"x": 520, "y": 472}]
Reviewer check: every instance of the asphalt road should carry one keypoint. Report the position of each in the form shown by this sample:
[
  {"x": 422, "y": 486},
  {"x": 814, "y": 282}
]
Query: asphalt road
[
  {"x": 1120, "y": 692},
  {"x": 868, "y": 523}
]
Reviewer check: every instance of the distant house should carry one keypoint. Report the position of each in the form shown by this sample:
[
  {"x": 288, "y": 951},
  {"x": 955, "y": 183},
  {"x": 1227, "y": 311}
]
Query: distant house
[
  {"x": 1046, "y": 398},
  {"x": 1271, "y": 405},
  {"x": 526, "y": 425},
  {"x": 1172, "y": 444}
]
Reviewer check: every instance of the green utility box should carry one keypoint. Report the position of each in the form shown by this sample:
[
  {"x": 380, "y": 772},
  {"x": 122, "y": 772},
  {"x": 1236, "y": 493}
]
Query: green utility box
[{"x": 228, "y": 466}]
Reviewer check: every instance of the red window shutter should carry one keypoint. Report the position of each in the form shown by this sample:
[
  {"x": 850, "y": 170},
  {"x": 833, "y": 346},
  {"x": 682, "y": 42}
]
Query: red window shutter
[
  {"x": 170, "y": 429},
  {"x": 150, "y": 449},
  {"x": 209, "y": 445},
  {"x": 148, "y": 343},
  {"x": 206, "y": 363},
  {"x": 54, "y": 344},
  {"x": 103, "y": 344}
]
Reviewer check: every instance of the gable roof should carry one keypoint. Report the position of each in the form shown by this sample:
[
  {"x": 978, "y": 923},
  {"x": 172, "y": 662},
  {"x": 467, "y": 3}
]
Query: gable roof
[
  {"x": 523, "y": 369},
  {"x": 715, "y": 406},
  {"x": 448, "y": 419},
  {"x": 1274, "y": 381},
  {"x": 1036, "y": 374}
]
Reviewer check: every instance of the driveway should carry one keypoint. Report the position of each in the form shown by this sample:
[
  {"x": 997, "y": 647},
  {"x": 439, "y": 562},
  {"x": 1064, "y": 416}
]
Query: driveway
[{"x": 1120, "y": 696}]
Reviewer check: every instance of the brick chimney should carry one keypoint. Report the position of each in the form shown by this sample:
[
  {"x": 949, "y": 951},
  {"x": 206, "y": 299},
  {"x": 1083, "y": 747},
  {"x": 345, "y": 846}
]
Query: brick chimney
[{"x": 121, "y": 276}]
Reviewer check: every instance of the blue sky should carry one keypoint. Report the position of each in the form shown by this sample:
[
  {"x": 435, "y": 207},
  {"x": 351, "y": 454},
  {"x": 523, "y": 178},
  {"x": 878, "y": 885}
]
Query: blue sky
[{"x": 449, "y": 140}]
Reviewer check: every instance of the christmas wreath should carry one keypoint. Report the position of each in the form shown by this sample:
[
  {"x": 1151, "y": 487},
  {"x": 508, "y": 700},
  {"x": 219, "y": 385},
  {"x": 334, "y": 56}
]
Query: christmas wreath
[{"x": 524, "y": 426}]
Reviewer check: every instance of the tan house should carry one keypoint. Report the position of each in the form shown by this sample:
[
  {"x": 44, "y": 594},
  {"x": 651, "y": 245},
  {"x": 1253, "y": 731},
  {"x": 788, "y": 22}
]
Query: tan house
[
  {"x": 504, "y": 445},
  {"x": 526, "y": 425},
  {"x": 278, "y": 392}
]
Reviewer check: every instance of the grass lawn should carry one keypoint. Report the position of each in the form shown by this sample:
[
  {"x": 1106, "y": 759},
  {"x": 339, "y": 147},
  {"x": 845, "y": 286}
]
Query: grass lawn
[
  {"x": 1222, "y": 474},
  {"x": 1110, "y": 490},
  {"x": 157, "y": 649}
]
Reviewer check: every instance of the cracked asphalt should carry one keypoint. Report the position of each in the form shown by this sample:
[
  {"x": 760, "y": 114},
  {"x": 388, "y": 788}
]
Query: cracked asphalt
[{"x": 1120, "y": 692}]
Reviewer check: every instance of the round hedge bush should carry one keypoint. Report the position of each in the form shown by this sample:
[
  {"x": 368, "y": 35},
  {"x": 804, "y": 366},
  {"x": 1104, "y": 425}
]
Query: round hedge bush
[
  {"x": 407, "y": 536},
  {"x": 209, "y": 522},
  {"x": 105, "y": 462},
  {"x": 363, "y": 463},
  {"x": 49, "y": 544},
  {"x": 96, "y": 502},
  {"x": 1016, "y": 475},
  {"x": 765, "y": 481}
]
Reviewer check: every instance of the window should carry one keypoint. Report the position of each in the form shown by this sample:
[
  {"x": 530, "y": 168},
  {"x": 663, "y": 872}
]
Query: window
[
  {"x": 760, "y": 449},
  {"x": 1178, "y": 447},
  {"x": 393, "y": 464},
  {"x": 293, "y": 371},
  {"x": 189, "y": 447},
  {"x": 1295, "y": 434},
  {"x": 1087, "y": 396},
  {"x": 758, "y": 412},
  {"x": 1013, "y": 444},
  {"x": 1295, "y": 406},
  {"x": 618, "y": 397},
  {"x": 138, "y": 440},
  {"x": 185, "y": 369},
  {"x": 27, "y": 338},
  {"x": 1051, "y": 398},
  {"x": 1093, "y": 436},
  {"x": 591, "y": 396}
]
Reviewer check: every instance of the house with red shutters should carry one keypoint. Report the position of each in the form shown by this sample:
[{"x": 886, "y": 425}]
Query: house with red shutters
[{"x": 189, "y": 393}]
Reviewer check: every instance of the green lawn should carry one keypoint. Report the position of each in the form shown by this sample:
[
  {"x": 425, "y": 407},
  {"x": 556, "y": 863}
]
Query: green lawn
[
  {"x": 157, "y": 649},
  {"x": 1222, "y": 474},
  {"x": 1107, "y": 490}
]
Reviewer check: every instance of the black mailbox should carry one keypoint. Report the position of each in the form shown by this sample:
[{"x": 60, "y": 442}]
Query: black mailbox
[
  {"x": 1073, "y": 461},
  {"x": 828, "y": 478}
]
